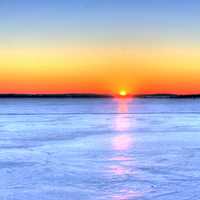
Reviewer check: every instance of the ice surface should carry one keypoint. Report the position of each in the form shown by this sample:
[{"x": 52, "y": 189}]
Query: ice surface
[{"x": 99, "y": 149}]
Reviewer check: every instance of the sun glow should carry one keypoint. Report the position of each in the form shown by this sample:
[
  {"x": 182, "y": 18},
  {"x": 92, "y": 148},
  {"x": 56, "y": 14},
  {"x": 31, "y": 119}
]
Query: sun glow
[{"x": 123, "y": 93}]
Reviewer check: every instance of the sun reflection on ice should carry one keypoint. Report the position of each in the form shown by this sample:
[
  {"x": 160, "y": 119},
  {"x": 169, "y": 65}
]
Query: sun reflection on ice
[
  {"x": 126, "y": 195},
  {"x": 122, "y": 162},
  {"x": 122, "y": 142},
  {"x": 119, "y": 170},
  {"x": 122, "y": 121}
]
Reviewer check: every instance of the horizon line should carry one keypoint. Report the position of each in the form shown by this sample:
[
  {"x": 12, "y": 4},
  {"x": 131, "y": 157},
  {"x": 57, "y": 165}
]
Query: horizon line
[{"x": 97, "y": 95}]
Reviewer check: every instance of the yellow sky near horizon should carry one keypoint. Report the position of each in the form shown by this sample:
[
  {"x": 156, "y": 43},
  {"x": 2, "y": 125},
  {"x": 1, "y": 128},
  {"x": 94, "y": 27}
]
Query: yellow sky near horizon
[{"x": 99, "y": 70}]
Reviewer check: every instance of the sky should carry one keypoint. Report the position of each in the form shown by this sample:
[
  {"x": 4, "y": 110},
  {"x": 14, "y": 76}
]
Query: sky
[{"x": 100, "y": 46}]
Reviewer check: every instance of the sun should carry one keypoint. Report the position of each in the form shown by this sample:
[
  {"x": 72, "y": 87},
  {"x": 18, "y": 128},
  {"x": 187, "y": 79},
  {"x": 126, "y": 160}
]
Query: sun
[{"x": 123, "y": 93}]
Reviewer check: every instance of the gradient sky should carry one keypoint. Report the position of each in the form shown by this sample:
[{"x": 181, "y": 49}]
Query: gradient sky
[{"x": 99, "y": 46}]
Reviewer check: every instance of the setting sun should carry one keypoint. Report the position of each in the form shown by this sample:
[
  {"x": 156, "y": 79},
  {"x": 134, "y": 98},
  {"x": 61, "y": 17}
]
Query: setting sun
[{"x": 123, "y": 93}]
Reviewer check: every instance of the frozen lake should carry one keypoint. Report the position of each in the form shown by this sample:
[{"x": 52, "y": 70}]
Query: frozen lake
[{"x": 99, "y": 149}]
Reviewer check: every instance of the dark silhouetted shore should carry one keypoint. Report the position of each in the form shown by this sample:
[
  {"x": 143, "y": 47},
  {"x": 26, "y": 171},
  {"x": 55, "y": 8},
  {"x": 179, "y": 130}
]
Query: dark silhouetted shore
[{"x": 97, "y": 96}]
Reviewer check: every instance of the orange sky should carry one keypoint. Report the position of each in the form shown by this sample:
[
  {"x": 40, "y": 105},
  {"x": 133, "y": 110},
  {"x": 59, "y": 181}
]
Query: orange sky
[{"x": 100, "y": 70}]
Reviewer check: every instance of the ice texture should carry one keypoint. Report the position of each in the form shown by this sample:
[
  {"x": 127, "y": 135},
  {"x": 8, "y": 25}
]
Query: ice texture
[{"x": 99, "y": 149}]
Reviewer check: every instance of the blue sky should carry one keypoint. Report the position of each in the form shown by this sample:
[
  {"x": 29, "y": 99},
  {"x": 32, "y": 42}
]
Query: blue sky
[{"x": 99, "y": 20}]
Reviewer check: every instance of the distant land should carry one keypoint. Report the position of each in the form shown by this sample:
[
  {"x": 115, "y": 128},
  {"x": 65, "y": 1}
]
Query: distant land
[{"x": 98, "y": 96}]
